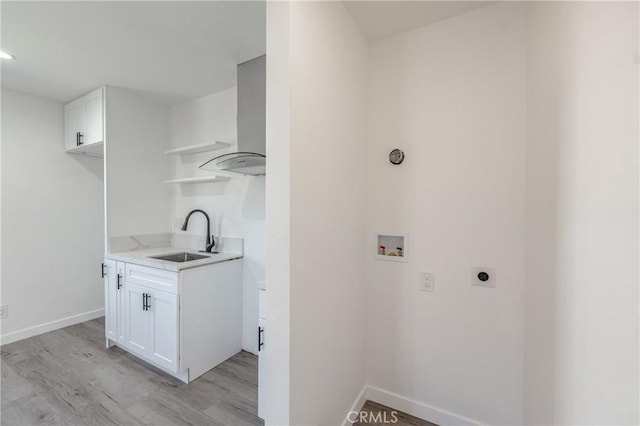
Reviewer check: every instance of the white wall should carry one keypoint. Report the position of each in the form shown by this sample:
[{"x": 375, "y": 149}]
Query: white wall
[
  {"x": 274, "y": 376},
  {"x": 52, "y": 221},
  {"x": 581, "y": 353},
  {"x": 452, "y": 95},
  {"x": 137, "y": 134},
  {"x": 526, "y": 162},
  {"x": 327, "y": 206},
  {"x": 236, "y": 207},
  {"x": 316, "y": 93}
]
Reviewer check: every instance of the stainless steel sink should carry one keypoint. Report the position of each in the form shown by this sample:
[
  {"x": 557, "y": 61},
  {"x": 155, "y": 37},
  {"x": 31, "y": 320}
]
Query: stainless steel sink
[{"x": 179, "y": 257}]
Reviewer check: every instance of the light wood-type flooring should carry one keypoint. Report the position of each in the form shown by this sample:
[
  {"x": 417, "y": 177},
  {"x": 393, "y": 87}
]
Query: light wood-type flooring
[
  {"x": 382, "y": 415},
  {"x": 67, "y": 377}
]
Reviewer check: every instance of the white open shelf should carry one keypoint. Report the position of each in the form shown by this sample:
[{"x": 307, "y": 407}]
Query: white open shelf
[
  {"x": 204, "y": 179},
  {"x": 196, "y": 149}
]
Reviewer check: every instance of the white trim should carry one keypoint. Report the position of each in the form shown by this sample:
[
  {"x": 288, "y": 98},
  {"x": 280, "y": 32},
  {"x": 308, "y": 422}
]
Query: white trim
[
  {"x": 183, "y": 376},
  {"x": 415, "y": 408},
  {"x": 14, "y": 336},
  {"x": 357, "y": 405},
  {"x": 418, "y": 409}
]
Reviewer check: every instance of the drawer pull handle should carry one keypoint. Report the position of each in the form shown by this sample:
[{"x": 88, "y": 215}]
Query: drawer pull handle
[
  {"x": 145, "y": 301},
  {"x": 260, "y": 339}
]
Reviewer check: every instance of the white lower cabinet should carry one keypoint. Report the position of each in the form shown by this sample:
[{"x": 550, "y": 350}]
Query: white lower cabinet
[
  {"x": 113, "y": 273},
  {"x": 163, "y": 335},
  {"x": 152, "y": 325},
  {"x": 261, "y": 357},
  {"x": 111, "y": 294},
  {"x": 146, "y": 309},
  {"x": 137, "y": 320}
]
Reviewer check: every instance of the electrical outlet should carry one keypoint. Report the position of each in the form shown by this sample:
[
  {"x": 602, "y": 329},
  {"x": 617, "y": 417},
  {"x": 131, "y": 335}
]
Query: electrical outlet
[
  {"x": 427, "y": 281},
  {"x": 4, "y": 311},
  {"x": 483, "y": 277}
]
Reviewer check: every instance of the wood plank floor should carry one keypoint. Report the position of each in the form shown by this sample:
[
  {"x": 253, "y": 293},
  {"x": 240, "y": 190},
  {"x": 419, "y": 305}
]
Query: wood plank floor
[
  {"x": 67, "y": 377},
  {"x": 383, "y": 415}
]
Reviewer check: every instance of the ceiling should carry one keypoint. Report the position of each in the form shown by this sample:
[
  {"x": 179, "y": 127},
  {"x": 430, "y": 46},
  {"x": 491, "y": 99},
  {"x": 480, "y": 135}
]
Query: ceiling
[
  {"x": 171, "y": 50},
  {"x": 381, "y": 19}
]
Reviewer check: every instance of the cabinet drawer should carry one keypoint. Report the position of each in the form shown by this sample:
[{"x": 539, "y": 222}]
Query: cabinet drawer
[{"x": 152, "y": 277}]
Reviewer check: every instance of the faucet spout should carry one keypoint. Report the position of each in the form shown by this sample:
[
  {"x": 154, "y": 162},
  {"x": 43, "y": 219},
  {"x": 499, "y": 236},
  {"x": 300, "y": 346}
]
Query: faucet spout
[{"x": 210, "y": 243}]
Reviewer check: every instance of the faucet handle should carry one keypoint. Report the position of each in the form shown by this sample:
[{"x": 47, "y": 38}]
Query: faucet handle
[{"x": 211, "y": 245}]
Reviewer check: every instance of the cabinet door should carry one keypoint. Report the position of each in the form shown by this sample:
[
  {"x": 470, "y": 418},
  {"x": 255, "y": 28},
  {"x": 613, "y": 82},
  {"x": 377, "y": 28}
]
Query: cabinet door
[
  {"x": 137, "y": 324},
  {"x": 93, "y": 118},
  {"x": 164, "y": 329},
  {"x": 110, "y": 300},
  {"x": 120, "y": 297},
  {"x": 261, "y": 363},
  {"x": 74, "y": 123}
]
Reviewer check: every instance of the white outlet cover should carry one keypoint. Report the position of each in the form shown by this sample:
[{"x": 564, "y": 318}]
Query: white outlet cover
[
  {"x": 427, "y": 282},
  {"x": 477, "y": 270}
]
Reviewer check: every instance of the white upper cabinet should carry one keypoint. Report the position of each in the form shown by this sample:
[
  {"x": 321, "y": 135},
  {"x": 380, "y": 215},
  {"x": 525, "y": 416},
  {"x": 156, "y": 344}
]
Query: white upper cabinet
[
  {"x": 74, "y": 122},
  {"x": 94, "y": 117},
  {"x": 84, "y": 124}
]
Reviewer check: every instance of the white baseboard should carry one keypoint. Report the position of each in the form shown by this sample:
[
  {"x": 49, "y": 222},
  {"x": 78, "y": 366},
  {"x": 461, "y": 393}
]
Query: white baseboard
[
  {"x": 357, "y": 406},
  {"x": 14, "y": 336},
  {"x": 415, "y": 408}
]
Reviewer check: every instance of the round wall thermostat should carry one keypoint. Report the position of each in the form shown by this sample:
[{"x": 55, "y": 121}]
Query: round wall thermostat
[{"x": 396, "y": 156}]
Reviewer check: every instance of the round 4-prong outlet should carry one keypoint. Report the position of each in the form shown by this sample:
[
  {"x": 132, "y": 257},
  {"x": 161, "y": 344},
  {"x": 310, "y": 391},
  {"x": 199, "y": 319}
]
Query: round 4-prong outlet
[{"x": 483, "y": 276}]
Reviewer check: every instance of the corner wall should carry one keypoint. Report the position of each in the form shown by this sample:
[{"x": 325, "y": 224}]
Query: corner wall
[
  {"x": 327, "y": 206},
  {"x": 581, "y": 316},
  {"x": 452, "y": 96},
  {"x": 52, "y": 222},
  {"x": 274, "y": 387},
  {"x": 522, "y": 154}
]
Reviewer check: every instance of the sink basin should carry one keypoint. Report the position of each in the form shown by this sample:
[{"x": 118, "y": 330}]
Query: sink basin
[{"x": 179, "y": 257}]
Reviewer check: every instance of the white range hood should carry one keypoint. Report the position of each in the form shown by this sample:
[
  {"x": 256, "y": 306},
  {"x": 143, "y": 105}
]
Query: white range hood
[{"x": 250, "y": 158}]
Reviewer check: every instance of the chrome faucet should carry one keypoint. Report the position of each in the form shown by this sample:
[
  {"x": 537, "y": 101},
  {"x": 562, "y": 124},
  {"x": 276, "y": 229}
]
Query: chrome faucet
[{"x": 210, "y": 241}]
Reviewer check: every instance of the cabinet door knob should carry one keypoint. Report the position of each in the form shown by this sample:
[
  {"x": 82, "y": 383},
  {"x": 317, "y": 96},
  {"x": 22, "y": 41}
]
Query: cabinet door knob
[
  {"x": 103, "y": 273},
  {"x": 118, "y": 282}
]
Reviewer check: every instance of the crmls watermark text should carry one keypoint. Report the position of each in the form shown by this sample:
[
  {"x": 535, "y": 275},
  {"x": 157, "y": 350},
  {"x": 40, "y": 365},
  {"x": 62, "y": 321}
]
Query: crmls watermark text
[{"x": 373, "y": 418}]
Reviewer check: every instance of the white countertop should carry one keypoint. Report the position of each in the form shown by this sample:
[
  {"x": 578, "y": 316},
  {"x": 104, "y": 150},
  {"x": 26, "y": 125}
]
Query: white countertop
[{"x": 142, "y": 257}]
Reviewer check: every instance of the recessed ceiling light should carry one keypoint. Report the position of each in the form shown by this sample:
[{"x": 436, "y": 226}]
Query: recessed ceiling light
[{"x": 5, "y": 55}]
